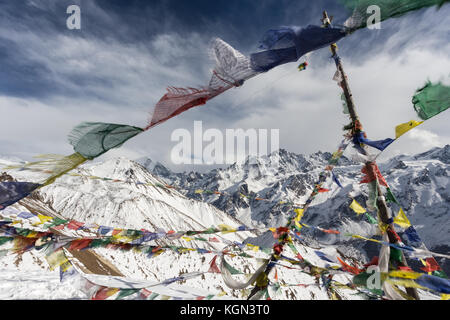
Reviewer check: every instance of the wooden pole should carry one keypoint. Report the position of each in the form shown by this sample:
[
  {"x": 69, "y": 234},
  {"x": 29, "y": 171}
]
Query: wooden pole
[{"x": 383, "y": 210}]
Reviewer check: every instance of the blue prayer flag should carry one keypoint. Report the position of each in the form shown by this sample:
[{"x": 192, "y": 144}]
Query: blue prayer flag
[{"x": 288, "y": 44}]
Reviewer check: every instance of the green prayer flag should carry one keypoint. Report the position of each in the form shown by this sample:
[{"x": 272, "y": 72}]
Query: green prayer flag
[
  {"x": 98, "y": 243},
  {"x": 362, "y": 10},
  {"x": 126, "y": 292},
  {"x": 23, "y": 232},
  {"x": 57, "y": 222},
  {"x": 361, "y": 279},
  {"x": 92, "y": 139},
  {"x": 431, "y": 100},
  {"x": 396, "y": 255},
  {"x": 153, "y": 296},
  {"x": 211, "y": 231},
  {"x": 4, "y": 240},
  {"x": 231, "y": 269},
  {"x": 440, "y": 274},
  {"x": 390, "y": 197},
  {"x": 373, "y": 195},
  {"x": 371, "y": 219},
  {"x": 377, "y": 292},
  {"x": 344, "y": 104}
]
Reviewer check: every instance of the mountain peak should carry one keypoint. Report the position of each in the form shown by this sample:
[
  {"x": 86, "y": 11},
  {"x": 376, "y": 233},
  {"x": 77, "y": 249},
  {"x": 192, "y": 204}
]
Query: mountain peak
[{"x": 441, "y": 154}]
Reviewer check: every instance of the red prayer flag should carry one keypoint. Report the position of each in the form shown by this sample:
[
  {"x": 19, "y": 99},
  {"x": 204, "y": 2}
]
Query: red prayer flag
[
  {"x": 80, "y": 244},
  {"x": 373, "y": 262},
  {"x": 116, "y": 231},
  {"x": 145, "y": 293},
  {"x": 406, "y": 269},
  {"x": 432, "y": 265},
  {"x": 349, "y": 268},
  {"x": 213, "y": 268},
  {"x": 102, "y": 294},
  {"x": 75, "y": 225},
  {"x": 369, "y": 177}
]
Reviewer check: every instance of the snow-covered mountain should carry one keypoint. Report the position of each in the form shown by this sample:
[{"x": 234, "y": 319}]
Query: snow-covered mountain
[
  {"x": 420, "y": 183},
  {"x": 136, "y": 203}
]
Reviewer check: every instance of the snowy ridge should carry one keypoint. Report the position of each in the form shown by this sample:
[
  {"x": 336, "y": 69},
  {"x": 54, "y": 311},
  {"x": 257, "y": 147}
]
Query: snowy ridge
[
  {"x": 420, "y": 183},
  {"x": 132, "y": 205}
]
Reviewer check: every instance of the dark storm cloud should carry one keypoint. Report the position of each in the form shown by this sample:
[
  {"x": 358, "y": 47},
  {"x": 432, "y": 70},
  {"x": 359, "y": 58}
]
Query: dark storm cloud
[{"x": 127, "y": 52}]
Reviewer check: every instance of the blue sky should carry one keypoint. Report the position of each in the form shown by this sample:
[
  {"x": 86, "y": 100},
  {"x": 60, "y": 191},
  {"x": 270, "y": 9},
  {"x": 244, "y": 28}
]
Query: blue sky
[{"x": 118, "y": 65}]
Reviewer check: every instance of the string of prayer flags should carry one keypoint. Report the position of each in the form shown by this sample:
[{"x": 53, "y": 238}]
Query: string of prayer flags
[
  {"x": 231, "y": 70},
  {"x": 388, "y": 9},
  {"x": 402, "y": 220},
  {"x": 431, "y": 100},
  {"x": 302, "y": 66},
  {"x": 288, "y": 44},
  {"x": 104, "y": 293}
]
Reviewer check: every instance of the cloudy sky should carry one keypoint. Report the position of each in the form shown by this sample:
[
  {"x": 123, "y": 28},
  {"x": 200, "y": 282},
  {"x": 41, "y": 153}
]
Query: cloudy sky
[{"x": 118, "y": 65}]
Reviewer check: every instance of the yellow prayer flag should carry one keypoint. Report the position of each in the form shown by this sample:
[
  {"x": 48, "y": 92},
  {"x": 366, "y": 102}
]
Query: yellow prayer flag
[
  {"x": 226, "y": 229},
  {"x": 299, "y": 217},
  {"x": 32, "y": 234},
  {"x": 402, "y": 220},
  {"x": 404, "y": 274},
  {"x": 65, "y": 266},
  {"x": 253, "y": 247},
  {"x": 355, "y": 206},
  {"x": 405, "y": 127},
  {"x": 44, "y": 219},
  {"x": 405, "y": 283},
  {"x": 445, "y": 296},
  {"x": 199, "y": 191},
  {"x": 56, "y": 259},
  {"x": 223, "y": 293},
  {"x": 383, "y": 226}
]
